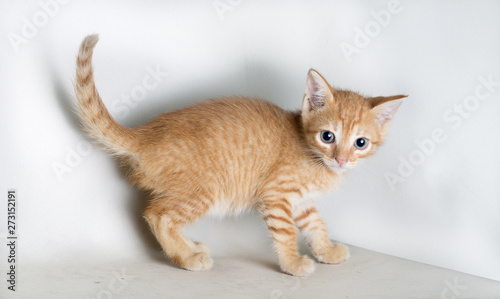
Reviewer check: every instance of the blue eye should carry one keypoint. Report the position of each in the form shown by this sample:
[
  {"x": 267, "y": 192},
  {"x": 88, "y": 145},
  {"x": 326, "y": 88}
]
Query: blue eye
[
  {"x": 327, "y": 137},
  {"x": 361, "y": 143}
]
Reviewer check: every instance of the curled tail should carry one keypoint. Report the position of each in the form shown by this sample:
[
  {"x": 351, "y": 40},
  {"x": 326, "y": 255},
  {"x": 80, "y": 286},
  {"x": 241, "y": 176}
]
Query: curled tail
[{"x": 95, "y": 117}]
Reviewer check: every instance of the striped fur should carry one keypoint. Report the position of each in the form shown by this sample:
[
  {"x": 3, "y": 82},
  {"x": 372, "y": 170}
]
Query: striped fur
[
  {"x": 96, "y": 119},
  {"x": 234, "y": 154}
]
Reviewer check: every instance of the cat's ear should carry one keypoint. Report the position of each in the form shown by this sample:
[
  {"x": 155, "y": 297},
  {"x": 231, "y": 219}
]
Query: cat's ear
[
  {"x": 385, "y": 108},
  {"x": 318, "y": 92}
]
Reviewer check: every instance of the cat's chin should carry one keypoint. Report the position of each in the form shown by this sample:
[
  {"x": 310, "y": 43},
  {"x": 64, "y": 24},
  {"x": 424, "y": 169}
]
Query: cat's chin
[{"x": 338, "y": 169}]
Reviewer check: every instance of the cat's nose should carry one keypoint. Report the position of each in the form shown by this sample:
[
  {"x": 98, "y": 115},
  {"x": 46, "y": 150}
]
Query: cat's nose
[{"x": 341, "y": 161}]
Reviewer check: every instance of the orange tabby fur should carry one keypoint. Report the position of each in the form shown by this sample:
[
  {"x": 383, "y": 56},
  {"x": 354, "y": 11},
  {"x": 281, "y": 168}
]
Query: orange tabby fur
[{"x": 230, "y": 155}]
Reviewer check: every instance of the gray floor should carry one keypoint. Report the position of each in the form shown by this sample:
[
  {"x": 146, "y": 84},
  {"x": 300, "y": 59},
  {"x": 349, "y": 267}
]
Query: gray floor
[{"x": 365, "y": 275}]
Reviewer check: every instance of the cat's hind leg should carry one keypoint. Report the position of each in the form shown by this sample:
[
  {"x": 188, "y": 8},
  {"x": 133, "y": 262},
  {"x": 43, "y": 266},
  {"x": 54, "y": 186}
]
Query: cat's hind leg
[{"x": 166, "y": 218}]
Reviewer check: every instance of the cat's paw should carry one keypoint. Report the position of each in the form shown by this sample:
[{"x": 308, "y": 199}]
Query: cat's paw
[
  {"x": 200, "y": 247},
  {"x": 299, "y": 266},
  {"x": 333, "y": 254},
  {"x": 197, "y": 262}
]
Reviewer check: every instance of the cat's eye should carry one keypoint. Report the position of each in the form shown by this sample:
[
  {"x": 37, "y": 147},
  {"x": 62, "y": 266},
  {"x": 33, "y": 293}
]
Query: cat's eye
[
  {"x": 327, "y": 137},
  {"x": 361, "y": 143}
]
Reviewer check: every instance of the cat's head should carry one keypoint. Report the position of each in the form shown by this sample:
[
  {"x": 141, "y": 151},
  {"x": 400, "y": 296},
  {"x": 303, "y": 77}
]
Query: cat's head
[{"x": 342, "y": 126}]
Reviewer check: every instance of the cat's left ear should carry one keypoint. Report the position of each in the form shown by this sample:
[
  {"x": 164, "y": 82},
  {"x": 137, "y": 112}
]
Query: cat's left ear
[
  {"x": 318, "y": 92},
  {"x": 385, "y": 108}
]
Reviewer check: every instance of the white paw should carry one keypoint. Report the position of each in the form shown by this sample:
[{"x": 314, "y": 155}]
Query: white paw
[
  {"x": 299, "y": 266},
  {"x": 197, "y": 262},
  {"x": 333, "y": 254}
]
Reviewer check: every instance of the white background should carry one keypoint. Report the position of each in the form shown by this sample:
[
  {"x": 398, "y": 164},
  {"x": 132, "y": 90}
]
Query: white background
[{"x": 75, "y": 205}]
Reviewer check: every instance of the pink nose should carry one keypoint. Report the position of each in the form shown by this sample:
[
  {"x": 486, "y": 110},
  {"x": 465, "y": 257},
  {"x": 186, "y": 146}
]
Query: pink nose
[{"x": 341, "y": 161}]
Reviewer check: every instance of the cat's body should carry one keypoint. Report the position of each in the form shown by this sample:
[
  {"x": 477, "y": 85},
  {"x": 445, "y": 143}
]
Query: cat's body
[
  {"x": 227, "y": 156},
  {"x": 233, "y": 159}
]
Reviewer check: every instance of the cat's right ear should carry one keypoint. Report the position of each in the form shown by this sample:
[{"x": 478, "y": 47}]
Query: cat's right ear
[{"x": 318, "y": 92}]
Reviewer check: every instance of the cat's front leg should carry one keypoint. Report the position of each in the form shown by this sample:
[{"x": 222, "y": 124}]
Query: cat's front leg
[
  {"x": 314, "y": 229},
  {"x": 278, "y": 216}
]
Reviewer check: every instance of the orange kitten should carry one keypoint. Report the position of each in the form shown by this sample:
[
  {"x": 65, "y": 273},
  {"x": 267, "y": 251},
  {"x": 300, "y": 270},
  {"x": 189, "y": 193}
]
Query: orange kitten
[{"x": 230, "y": 155}]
